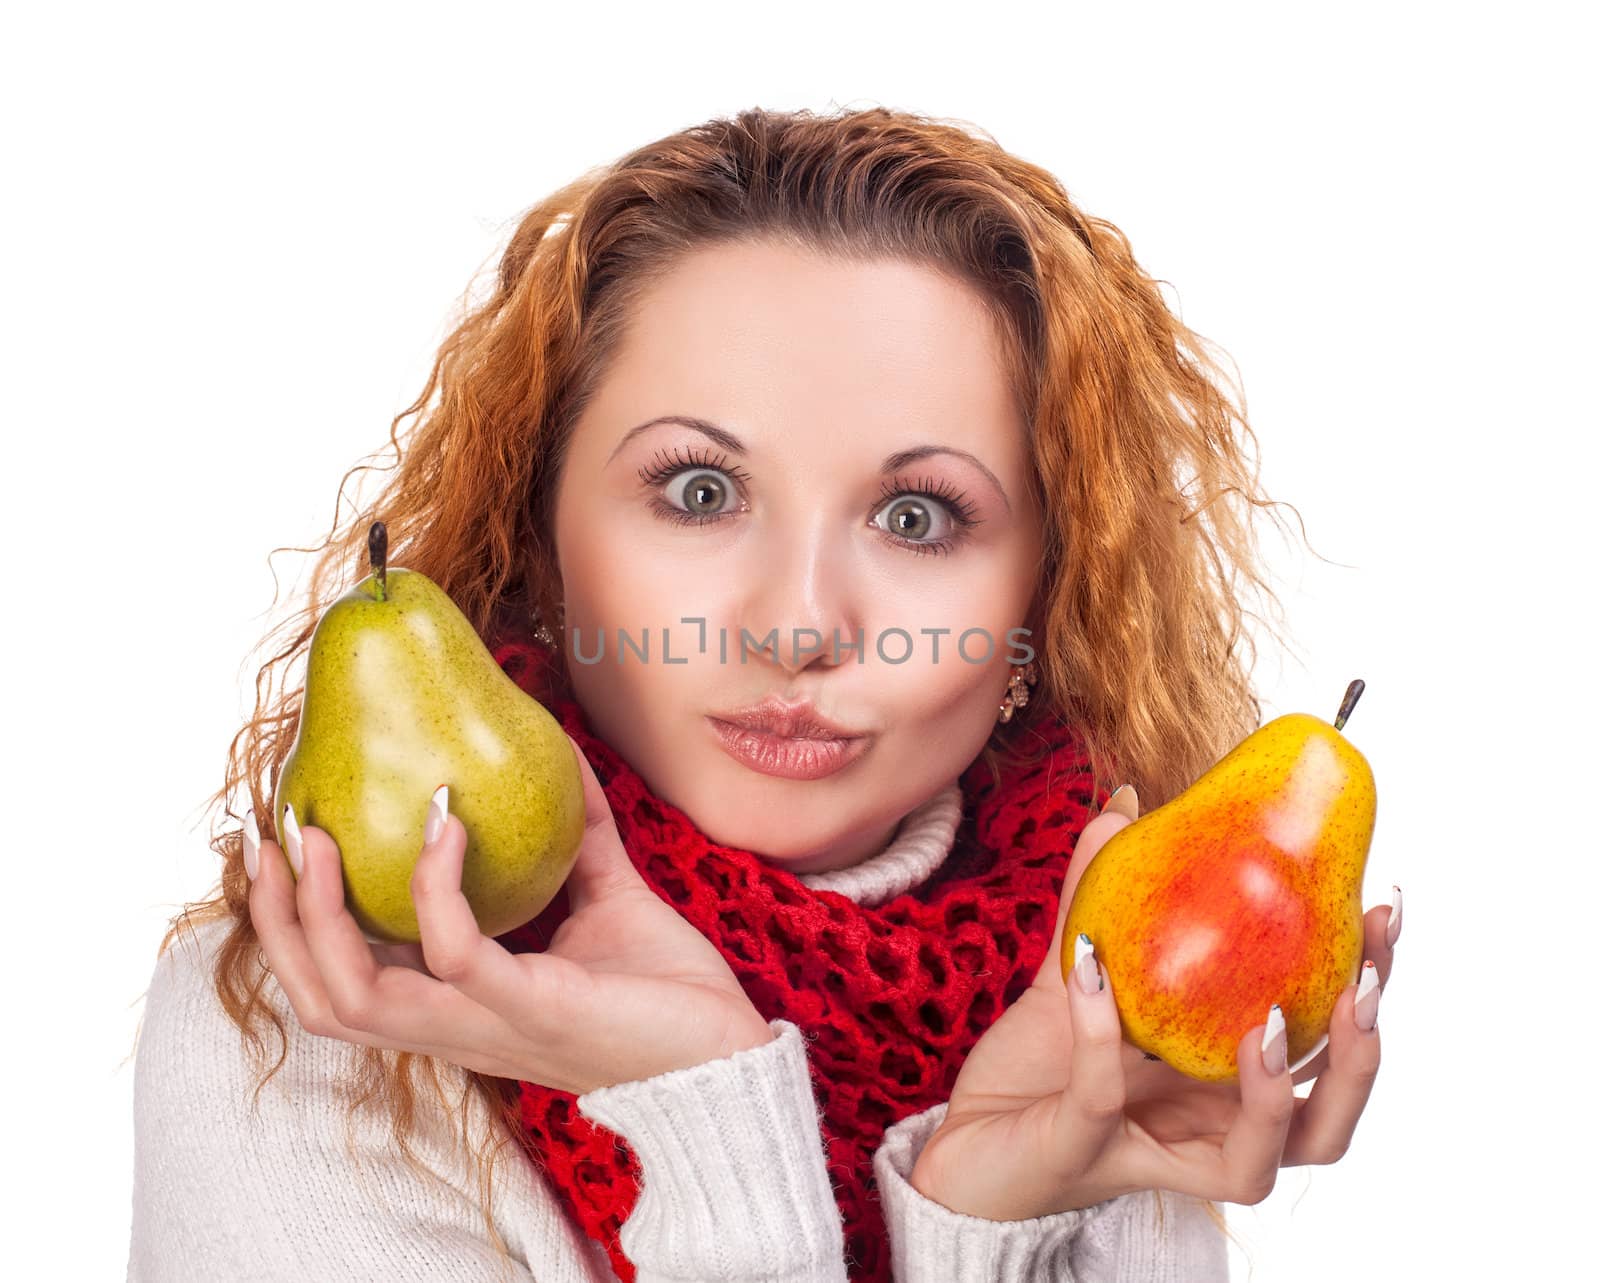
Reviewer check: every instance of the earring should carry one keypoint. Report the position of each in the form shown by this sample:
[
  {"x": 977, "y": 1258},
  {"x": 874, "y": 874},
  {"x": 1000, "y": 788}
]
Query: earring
[
  {"x": 541, "y": 631},
  {"x": 1022, "y": 679}
]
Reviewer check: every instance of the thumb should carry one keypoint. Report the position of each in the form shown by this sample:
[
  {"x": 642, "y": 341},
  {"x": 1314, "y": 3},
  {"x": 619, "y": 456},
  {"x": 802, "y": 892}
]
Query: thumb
[
  {"x": 1120, "y": 811},
  {"x": 602, "y": 867}
]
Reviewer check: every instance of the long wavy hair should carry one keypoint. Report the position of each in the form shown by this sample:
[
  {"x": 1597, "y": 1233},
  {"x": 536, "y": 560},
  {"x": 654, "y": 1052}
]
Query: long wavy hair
[{"x": 1138, "y": 444}]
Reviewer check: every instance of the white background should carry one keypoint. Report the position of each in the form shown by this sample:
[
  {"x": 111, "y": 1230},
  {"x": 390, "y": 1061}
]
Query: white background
[{"x": 234, "y": 237}]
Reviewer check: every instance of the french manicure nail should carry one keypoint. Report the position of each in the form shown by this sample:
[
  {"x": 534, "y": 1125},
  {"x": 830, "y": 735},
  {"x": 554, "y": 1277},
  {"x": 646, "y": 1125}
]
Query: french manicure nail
[
  {"x": 252, "y": 845},
  {"x": 1085, "y": 967},
  {"x": 1392, "y": 931},
  {"x": 291, "y": 838},
  {"x": 1124, "y": 801},
  {"x": 438, "y": 808},
  {"x": 1367, "y": 993},
  {"x": 1275, "y": 1043}
]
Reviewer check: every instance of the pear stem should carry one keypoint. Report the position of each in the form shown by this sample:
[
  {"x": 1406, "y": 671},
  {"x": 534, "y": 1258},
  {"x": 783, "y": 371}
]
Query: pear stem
[
  {"x": 378, "y": 556},
  {"x": 1352, "y": 693}
]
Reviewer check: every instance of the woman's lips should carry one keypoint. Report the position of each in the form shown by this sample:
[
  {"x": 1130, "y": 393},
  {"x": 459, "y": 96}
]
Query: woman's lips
[{"x": 793, "y": 759}]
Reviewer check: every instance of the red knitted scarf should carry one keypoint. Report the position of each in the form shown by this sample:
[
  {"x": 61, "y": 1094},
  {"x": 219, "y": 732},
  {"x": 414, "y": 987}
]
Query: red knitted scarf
[{"x": 894, "y": 996}]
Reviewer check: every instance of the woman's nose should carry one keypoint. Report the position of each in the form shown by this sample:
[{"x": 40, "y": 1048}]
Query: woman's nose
[{"x": 805, "y": 610}]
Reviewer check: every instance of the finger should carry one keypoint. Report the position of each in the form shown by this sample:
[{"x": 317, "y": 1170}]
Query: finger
[
  {"x": 1322, "y": 1131},
  {"x": 523, "y": 993},
  {"x": 275, "y": 915},
  {"x": 274, "y": 911},
  {"x": 403, "y": 1008},
  {"x": 1253, "y": 1150},
  {"x": 1090, "y": 1109},
  {"x": 1096, "y": 833},
  {"x": 360, "y": 988},
  {"x": 602, "y": 866},
  {"x": 1375, "y": 944}
]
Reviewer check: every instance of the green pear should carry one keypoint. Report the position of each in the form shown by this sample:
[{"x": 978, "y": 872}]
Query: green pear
[{"x": 401, "y": 696}]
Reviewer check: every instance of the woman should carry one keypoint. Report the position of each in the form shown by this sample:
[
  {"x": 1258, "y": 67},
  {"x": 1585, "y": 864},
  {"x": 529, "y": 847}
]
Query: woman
[{"x": 802, "y": 397}]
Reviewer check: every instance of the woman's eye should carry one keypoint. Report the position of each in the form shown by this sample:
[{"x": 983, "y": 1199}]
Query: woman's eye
[
  {"x": 690, "y": 490},
  {"x": 693, "y": 496},
  {"x": 916, "y": 519},
  {"x": 699, "y": 492}
]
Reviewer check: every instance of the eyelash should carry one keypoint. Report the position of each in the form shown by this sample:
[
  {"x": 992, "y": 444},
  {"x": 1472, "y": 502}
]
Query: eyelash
[{"x": 954, "y": 501}]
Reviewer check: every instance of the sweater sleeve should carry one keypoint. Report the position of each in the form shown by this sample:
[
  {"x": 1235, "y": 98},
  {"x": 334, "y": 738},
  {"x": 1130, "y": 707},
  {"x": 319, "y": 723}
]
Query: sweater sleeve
[
  {"x": 289, "y": 1186},
  {"x": 733, "y": 1171},
  {"x": 1130, "y": 1239}
]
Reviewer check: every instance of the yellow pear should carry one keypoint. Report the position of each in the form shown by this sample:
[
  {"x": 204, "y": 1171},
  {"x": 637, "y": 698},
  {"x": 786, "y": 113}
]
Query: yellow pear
[
  {"x": 1242, "y": 891},
  {"x": 401, "y": 696}
]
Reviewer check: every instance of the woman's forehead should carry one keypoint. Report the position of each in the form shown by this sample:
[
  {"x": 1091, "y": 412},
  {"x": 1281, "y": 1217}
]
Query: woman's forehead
[
  {"x": 734, "y": 301},
  {"x": 777, "y": 343}
]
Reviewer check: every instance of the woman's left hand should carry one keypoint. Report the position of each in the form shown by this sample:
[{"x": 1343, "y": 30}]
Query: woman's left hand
[{"x": 1053, "y": 1110}]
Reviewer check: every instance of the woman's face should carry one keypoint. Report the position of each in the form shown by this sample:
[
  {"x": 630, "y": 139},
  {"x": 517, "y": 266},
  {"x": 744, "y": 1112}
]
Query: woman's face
[{"x": 791, "y": 512}]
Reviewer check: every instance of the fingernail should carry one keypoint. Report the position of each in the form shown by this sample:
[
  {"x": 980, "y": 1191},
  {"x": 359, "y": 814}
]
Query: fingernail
[
  {"x": 1367, "y": 996},
  {"x": 438, "y": 808},
  {"x": 1392, "y": 931},
  {"x": 1129, "y": 801},
  {"x": 1275, "y": 1045},
  {"x": 252, "y": 845},
  {"x": 1085, "y": 967},
  {"x": 291, "y": 838}
]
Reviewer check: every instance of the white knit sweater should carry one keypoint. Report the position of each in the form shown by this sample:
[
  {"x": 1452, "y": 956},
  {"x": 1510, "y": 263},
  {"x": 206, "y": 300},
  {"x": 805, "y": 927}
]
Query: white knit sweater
[{"x": 734, "y": 1182}]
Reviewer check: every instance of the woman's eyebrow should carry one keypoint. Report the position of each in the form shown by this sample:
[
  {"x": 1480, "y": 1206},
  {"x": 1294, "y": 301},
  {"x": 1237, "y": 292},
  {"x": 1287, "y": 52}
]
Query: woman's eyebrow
[
  {"x": 721, "y": 436},
  {"x": 893, "y": 463},
  {"x": 900, "y": 458}
]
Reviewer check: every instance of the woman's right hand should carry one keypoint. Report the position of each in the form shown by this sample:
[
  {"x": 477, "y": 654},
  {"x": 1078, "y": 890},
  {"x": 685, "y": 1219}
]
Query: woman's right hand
[{"x": 626, "y": 989}]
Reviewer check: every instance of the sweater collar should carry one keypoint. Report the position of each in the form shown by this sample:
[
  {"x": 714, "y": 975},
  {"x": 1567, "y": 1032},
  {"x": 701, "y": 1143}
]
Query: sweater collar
[{"x": 919, "y": 846}]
